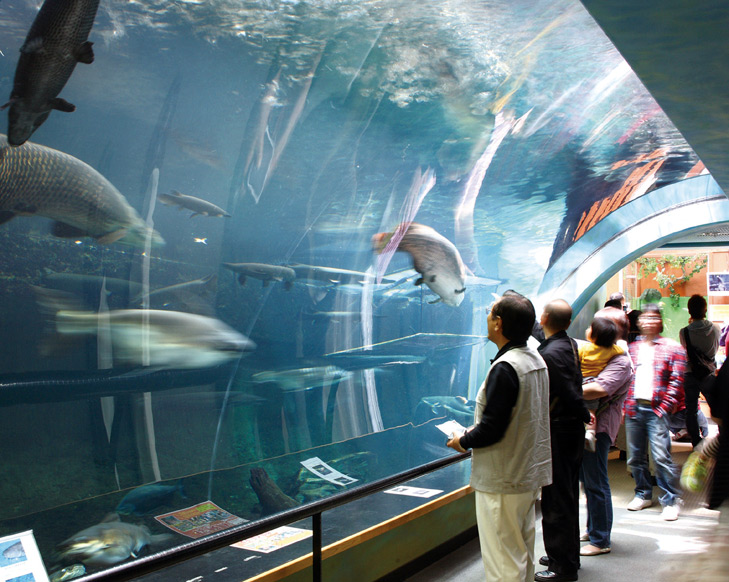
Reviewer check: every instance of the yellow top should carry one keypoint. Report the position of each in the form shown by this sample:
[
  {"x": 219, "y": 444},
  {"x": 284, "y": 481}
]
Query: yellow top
[{"x": 594, "y": 358}]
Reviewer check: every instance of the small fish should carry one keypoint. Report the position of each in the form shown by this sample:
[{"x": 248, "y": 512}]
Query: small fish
[
  {"x": 197, "y": 205},
  {"x": 38, "y": 180},
  {"x": 303, "y": 378},
  {"x": 67, "y": 573},
  {"x": 56, "y": 41},
  {"x": 145, "y": 499},
  {"x": 435, "y": 257},
  {"x": 14, "y": 551},
  {"x": 262, "y": 271},
  {"x": 107, "y": 543},
  {"x": 203, "y": 241},
  {"x": 326, "y": 274}
]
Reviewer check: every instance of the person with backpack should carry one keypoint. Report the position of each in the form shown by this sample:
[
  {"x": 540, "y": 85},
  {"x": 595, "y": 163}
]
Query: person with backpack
[{"x": 700, "y": 338}]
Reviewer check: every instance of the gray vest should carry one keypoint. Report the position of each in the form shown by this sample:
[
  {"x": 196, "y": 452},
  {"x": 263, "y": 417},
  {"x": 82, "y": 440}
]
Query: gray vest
[{"x": 522, "y": 460}]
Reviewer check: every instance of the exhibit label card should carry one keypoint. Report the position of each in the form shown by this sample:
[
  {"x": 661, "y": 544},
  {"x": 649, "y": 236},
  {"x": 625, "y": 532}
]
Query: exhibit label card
[
  {"x": 274, "y": 540},
  {"x": 20, "y": 559},
  {"x": 413, "y": 491},
  {"x": 199, "y": 520},
  {"x": 451, "y": 427},
  {"x": 326, "y": 472}
]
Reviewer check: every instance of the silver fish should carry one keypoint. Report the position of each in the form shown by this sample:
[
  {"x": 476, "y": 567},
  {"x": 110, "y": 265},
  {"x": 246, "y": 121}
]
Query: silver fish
[
  {"x": 262, "y": 271},
  {"x": 14, "y": 551},
  {"x": 303, "y": 378},
  {"x": 38, "y": 180},
  {"x": 106, "y": 543},
  {"x": 152, "y": 337},
  {"x": 435, "y": 257},
  {"x": 56, "y": 41},
  {"x": 197, "y": 205}
]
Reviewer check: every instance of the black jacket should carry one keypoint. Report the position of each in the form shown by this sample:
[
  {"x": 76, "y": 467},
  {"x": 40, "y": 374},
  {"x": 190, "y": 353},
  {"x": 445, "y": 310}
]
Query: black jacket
[{"x": 565, "y": 379}]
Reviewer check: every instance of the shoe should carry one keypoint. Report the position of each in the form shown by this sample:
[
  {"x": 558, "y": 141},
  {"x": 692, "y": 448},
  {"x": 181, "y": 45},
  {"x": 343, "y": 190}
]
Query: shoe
[
  {"x": 639, "y": 503},
  {"x": 670, "y": 513},
  {"x": 544, "y": 561},
  {"x": 548, "y": 575},
  {"x": 584, "y": 537},
  {"x": 590, "y": 550}
]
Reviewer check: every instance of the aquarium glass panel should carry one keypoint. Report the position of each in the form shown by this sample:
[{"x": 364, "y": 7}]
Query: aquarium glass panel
[{"x": 248, "y": 246}]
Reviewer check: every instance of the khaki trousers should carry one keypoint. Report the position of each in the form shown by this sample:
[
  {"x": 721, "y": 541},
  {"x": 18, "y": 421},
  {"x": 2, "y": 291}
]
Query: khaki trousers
[{"x": 506, "y": 532}]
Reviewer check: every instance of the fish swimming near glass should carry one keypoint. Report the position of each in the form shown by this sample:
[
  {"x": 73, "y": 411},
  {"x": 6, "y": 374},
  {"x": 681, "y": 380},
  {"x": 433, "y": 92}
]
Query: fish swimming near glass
[
  {"x": 56, "y": 41},
  {"x": 145, "y": 499},
  {"x": 303, "y": 378},
  {"x": 148, "y": 337},
  {"x": 197, "y": 205},
  {"x": 435, "y": 257},
  {"x": 36, "y": 180},
  {"x": 262, "y": 271},
  {"x": 106, "y": 543}
]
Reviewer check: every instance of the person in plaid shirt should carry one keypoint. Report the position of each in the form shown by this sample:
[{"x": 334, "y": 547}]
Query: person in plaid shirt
[{"x": 654, "y": 393}]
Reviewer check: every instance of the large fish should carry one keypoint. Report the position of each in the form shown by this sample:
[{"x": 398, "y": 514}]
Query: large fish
[
  {"x": 38, "y": 180},
  {"x": 197, "y": 205},
  {"x": 435, "y": 257},
  {"x": 56, "y": 41},
  {"x": 151, "y": 337},
  {"x": 262, "y": 271},
  {"x": 107, "y": 543}
]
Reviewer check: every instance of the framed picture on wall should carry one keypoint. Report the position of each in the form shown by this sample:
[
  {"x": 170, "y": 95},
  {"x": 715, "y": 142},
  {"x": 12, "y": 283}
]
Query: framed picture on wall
[{"x": 718, "y": 283}]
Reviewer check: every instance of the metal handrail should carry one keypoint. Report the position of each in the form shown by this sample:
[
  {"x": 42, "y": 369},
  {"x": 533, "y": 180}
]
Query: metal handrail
[{"x": 181, "y": 553}]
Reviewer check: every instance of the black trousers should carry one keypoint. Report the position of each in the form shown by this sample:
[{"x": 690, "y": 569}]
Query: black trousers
[
  {"x": 560, "y": 500},
  {"x": 691, "y": 386}
]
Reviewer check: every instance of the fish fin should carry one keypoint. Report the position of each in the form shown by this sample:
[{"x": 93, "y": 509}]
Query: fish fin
[
  {"x": 84, "y": 53},
  {"x": 62, "y": 105},
  {"x": 34, "y": 45},
  {"x": 288, "y": 285},
  {"x": 457, "y": 291},
  {"x": 6, "y": 215},
  {"x": 111, "y": 517},
  {"x": 8, "y": 104},
  {"x": 112, "y": 236},
  {"x": 194, "y": 214},
  {"x": 419, "y": 281},
  {"x": 63, "y": 230},
  {"x": 242, "y": 279},
  {"x": 175, "y": 193},
  {"x": 434, "y": 301}
]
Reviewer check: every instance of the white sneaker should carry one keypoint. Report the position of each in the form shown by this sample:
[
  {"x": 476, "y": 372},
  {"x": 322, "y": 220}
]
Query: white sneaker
[
  {"x": 639, "y": 503},
  {"x": 670, "y": 512}
]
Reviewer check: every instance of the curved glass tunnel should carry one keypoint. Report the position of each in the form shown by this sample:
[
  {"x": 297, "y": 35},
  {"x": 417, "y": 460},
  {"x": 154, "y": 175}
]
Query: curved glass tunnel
[{"x": 342, "y": 188}]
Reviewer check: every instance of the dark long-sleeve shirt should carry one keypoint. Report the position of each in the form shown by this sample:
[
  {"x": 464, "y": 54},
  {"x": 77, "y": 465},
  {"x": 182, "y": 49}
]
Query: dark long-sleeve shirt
[
  {"x": 502, "y": 391},
  {"x": 565, "y": 379}
]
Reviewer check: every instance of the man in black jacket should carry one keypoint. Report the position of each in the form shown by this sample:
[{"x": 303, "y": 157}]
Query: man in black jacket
[{"x": 568, "y": 415}]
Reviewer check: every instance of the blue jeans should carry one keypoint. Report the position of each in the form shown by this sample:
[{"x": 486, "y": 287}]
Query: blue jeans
[
  {"x": 594, "y": 476},
  {"x": 645, "y": 429}
]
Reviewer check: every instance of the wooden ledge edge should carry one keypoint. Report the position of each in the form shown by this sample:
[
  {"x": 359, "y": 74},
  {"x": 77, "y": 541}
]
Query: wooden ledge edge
[{"x": 360, "y": 537}]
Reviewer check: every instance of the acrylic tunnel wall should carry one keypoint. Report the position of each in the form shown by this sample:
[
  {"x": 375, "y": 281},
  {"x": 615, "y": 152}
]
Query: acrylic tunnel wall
[{"x": 268, "y": 232}]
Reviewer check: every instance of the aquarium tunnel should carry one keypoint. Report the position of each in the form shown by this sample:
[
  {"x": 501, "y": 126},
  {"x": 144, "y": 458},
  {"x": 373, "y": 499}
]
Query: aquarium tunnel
[{"x": 248, "y": 248}]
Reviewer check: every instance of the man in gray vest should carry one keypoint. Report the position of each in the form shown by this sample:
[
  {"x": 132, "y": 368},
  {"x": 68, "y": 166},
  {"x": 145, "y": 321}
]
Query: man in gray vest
[{"x": 511, "y": 445}]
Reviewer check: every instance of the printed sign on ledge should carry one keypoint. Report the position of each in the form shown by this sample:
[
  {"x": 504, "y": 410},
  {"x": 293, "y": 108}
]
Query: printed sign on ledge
[
  {"x": 199, "y": 520},
  {"x": 20, "y": 560},
  {"x": 273, "y": 540}
]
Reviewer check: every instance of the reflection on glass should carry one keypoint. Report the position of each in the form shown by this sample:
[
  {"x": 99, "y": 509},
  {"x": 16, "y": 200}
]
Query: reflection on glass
[{"x": 201, "y": 284}]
